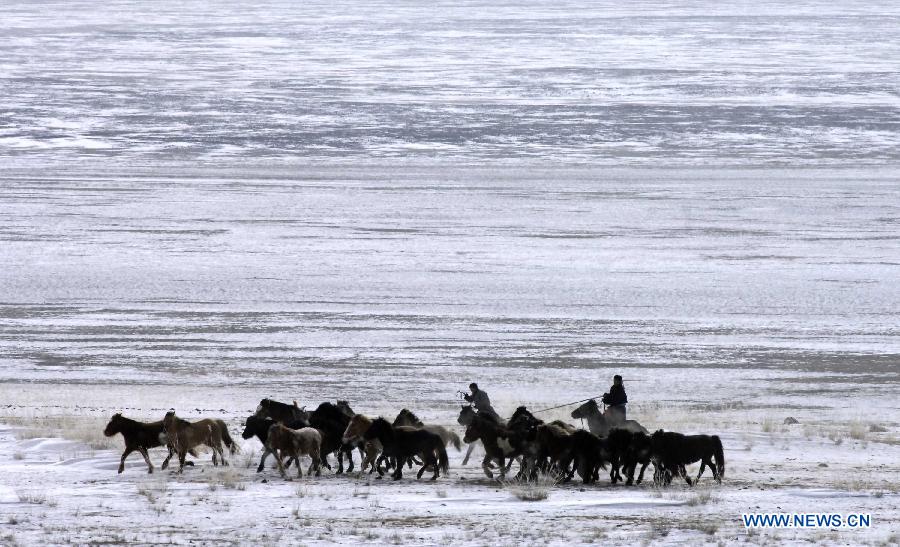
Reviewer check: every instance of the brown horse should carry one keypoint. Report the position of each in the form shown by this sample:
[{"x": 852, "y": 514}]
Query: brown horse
[
  {"x": 183, "y": 436},
  {"x": 354, "y": 433},
  {"x": 139, "y": 436},
  {"x": 403, "y": 444},
  {"x": 294, "y": 443}
]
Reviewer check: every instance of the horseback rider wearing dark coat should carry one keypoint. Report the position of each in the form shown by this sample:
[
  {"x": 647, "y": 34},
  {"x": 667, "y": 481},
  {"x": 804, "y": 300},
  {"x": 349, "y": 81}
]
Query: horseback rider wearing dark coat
[
  {"x": 481, "y": 401},
  {"x": 616, "y": 399}
]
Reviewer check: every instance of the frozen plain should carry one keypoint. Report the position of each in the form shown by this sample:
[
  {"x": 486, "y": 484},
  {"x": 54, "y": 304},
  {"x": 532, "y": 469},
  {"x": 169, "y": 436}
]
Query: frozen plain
[
  {"x": 728, "y": 298},
  {"x": 201, "y": 207}
]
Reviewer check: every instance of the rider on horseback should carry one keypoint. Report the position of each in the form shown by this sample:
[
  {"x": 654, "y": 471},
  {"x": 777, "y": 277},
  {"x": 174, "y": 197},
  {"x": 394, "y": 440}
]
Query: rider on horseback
[
  {"x": 616, "y": 399},
  {"x": 480, "y": 401}
]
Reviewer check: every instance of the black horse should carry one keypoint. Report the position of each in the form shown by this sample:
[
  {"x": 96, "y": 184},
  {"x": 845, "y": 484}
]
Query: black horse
[
  {"x": 256, "y": 426},
  {"x": 671, "y": 452},
  {"x": 500, "y": 442},
  {"x": 589, "y": 453},
  {"x": 628, "y": 449},
  {"x": 331, "y": 421},
  {"x": 466, "y": 415},
  {"x": 403, "y": 444},
  {"x": 281, "y": 412}
]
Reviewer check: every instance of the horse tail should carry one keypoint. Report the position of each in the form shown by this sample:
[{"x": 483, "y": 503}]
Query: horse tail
[
  {"x": 443, "y": 462},
  {"x": 719, "y": 455},
  {"x": 226, "y": 438},
  {"x": 457, "y": 443}
]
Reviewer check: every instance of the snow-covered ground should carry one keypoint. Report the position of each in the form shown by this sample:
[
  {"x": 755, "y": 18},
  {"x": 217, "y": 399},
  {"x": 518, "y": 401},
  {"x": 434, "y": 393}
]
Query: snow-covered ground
[
  {"x": 808, "y": 82},
  {"x": 729, "y": 300},
  {"x": 207, "y": 203}
]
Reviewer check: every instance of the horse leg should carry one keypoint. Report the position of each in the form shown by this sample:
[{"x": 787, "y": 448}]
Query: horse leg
[
  {"x": 350, "y": 457},
  {"x": 279, "y": 462},
  {"x": 297, "y": 462},
  {"x": 628, "y": 468},
  {"x": 398, "y": 472},
  {"x": 511, "y": 462},
  {"x": 262, "y": 460},
  {"x": 125, "y": 454},
  {"x": 147, "y": 459},
  {"x": 382, "y": 459},
  {"x": 128, "y": 450},
  {"x": 486, "y": 466},
  {"x": 182, "y": 454},
  {"x": 702, "y": 468},
  {"x": 437, "y": 467},
  {"x": 683, "y": 472},
  {"x": 468, "y": 453},
  {"x": 165, "y": 463},
  {"x": 641, "y": 474},
  {"x": 423, "y": 468}
]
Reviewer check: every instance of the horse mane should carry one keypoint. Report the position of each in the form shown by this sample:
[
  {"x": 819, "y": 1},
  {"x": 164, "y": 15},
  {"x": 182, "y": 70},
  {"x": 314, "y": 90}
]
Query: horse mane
[
  {"x": 328, "y": 411},
  {"x": 273, "y": 403},
  {"x": 178, "y": 421},
  {"x": 382, "y": 422},
  {"x": 118, "y": 417},
  {"x": 124, "y": 425},
  {"x": 412, "y": 416}
]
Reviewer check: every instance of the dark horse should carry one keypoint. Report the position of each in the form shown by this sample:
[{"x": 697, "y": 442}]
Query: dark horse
[
  {"x": 140, "y": 436},
  {"x": 281, "y": 412},
  {"x": 407, "y": 418},
  {"x": 630, "y": 450},
  {"x": 258, "y": 427},
  {"x": 500, "y": 442},
  {"x": 589, "y": 453},
  {"x": 404, "y": 444},
  {"x": 466, "y": 415},
  {"x": 331, "y": 421},
  {"x": 673, "y": 451}
]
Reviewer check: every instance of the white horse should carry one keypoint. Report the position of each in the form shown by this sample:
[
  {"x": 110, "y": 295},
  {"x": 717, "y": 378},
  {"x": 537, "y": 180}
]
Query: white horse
[{"x": 599, "y": 424}]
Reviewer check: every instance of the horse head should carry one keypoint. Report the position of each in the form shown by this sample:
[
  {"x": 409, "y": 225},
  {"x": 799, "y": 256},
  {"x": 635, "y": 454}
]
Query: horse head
[
  {"x": 114, "y": 425},
  {"x": 358, "y": 425},
  {"x": 344, "y": 407},
  {"x": 254, "y": 425},
  {"x": 585, "y": 410},
  {"x": 169, "y": 419},
  {"x": 472, "y": 434},
  {"x": 466, "y": 415}
]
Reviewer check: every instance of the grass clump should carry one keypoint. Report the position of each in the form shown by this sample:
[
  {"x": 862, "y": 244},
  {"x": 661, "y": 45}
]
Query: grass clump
[{"x": 537, "y": 489}]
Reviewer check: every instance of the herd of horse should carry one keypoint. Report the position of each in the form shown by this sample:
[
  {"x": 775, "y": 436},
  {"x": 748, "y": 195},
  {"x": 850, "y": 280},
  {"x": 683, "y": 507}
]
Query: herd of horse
[{"x": 557, "y": 448}]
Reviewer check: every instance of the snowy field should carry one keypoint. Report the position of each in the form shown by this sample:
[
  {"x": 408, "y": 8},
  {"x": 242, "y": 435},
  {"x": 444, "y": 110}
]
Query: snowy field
[
  {"x": 729, "y": 300},
  {"x": 204, "y": 204},
  {"x": 808, "y": 82}
]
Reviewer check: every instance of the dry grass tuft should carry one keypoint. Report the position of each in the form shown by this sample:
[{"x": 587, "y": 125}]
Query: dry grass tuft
[
  {"x": 226, "y": 477},
  {"x": 533, "y": 490},
  {"x": 34, "y": 497},
  {"x": 859, "y": 431}
]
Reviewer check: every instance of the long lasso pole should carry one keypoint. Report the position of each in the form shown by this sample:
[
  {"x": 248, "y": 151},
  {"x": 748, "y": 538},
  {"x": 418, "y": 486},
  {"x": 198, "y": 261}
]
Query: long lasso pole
[{"x": 566, "y": 404}]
